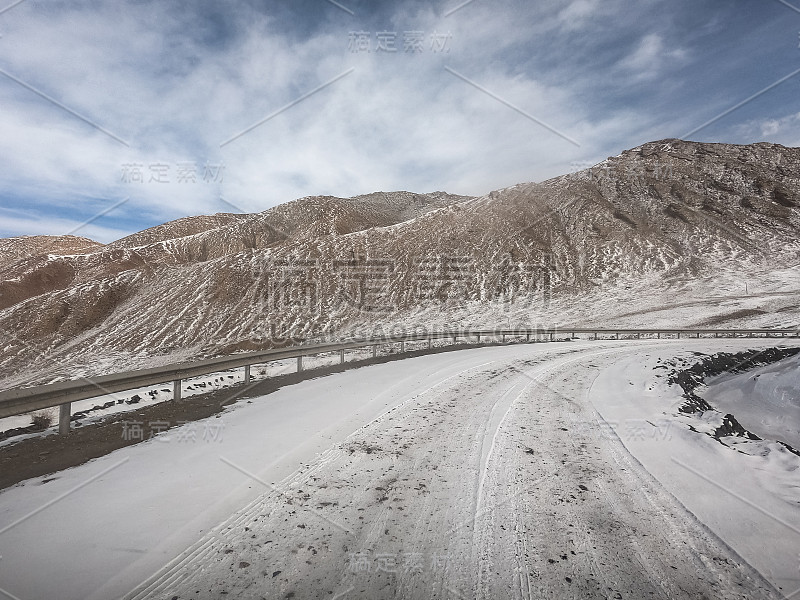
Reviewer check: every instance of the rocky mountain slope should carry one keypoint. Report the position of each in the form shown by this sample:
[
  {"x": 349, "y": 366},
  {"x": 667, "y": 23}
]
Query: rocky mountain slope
[{"x": 669, "y": 233}]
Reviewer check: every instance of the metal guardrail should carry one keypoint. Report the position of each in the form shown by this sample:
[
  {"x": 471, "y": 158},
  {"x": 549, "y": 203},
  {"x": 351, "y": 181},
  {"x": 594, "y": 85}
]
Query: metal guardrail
[{"x": 22, "y": 400}]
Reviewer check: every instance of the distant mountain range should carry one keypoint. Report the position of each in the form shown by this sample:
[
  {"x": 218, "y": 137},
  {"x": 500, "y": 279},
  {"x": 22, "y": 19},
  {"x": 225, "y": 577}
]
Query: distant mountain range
[{"x": 669, "y": 233}]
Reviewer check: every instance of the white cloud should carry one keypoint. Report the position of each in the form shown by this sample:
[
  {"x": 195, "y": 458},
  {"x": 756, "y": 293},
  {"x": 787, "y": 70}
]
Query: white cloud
[
  {"x": 578, "y": 13},
  {"x": 770, "y": 127},
  {"x": 651, "y": 57},
  {"x": 12, "y": 225},
  {"x": 157, "y": 78},
  {"x": 781, "y": 130}
]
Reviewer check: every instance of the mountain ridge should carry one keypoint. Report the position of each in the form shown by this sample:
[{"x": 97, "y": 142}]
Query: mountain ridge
[{"x": 663, "y": 219}]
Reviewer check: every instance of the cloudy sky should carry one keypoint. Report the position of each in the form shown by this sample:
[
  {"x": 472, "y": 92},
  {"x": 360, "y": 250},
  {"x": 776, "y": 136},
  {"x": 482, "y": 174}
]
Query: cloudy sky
[{"x": 116, "y": 116}]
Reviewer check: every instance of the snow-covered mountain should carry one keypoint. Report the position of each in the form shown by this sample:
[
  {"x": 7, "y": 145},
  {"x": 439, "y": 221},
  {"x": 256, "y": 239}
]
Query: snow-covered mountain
[{"x": 669, "y": 233}]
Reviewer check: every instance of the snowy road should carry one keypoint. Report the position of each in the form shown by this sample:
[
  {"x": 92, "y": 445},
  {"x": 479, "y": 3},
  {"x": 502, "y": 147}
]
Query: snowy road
[{"x": 483, "y": 473}]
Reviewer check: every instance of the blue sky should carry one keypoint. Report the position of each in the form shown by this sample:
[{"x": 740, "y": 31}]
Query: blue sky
[{"x": 130, "y": 114}]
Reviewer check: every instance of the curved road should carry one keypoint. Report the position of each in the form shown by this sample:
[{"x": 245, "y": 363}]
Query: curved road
[{"x": 482, "y": 473}]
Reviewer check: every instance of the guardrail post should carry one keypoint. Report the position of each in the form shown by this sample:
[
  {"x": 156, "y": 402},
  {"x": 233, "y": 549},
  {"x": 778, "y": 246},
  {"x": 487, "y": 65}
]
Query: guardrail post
[
  {"x": 56, "y": 398},
  {"x": 341, "y": 356},
  {"x": 402, "y": 346},
  {"x": 528, "y": 337},
  {"x": 63, "y": 418}
]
